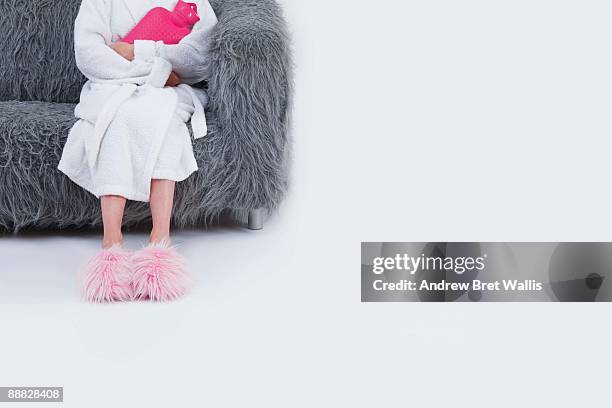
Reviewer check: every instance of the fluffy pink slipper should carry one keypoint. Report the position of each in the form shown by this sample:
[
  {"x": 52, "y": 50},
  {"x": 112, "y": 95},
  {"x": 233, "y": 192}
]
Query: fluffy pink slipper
[
  {"x": 108, "y": 276},
  {"x": 158, "y": 273}
]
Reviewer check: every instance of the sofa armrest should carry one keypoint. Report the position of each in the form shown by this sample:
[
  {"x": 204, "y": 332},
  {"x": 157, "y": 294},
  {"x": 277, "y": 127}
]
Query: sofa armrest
[{"x": 250, "y": 87}]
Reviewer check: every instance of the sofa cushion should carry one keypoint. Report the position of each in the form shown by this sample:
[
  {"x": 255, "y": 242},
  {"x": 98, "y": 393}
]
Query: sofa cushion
[
  {"x": 32, "y": 134},
  {"x": 37, "y": 57},
  {"x": 34, "y": 193},
  {"x": 32, "y": 190}
]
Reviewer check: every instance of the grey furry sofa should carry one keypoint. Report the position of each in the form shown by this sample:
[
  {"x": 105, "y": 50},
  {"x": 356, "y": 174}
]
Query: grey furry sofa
[{"x": 243, "y": 161}]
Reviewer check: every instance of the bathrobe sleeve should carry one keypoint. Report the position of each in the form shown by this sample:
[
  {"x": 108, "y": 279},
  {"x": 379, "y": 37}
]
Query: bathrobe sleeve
[
  {"x": 100, "y": 63},
  {"x": 188, "y": 58}
]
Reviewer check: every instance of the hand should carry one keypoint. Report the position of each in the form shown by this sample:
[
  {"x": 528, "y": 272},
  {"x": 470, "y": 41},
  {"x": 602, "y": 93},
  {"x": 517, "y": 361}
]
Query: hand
[
  {"x": 124, "y": 49},
  {"x": 173, "y": 79}
]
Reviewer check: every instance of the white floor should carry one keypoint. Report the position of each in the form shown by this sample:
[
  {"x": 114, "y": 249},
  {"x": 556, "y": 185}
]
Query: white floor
[{"x": 415, "y": 121}]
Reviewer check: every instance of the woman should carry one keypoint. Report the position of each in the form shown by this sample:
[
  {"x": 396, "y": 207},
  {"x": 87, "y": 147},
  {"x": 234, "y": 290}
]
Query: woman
[{"x": 131, "y": 141}]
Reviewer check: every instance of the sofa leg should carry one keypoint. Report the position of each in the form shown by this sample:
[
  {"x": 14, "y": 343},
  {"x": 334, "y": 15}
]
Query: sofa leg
[{"x": 256, "y": 219}]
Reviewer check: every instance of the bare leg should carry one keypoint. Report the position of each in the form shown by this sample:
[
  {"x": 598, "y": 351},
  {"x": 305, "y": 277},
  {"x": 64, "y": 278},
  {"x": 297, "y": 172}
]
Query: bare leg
[
  {"x": 162, "y": 197},
  {"x": 112, "y": 216},
  {"x": 158, "y": 271}
]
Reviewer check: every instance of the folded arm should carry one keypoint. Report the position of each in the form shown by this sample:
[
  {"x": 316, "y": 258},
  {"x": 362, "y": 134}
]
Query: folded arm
[
  {"x": 189, "y": 57},
  {"x": 99, "y": 63}
]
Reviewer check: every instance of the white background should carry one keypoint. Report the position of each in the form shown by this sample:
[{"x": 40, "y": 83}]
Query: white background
[{"x": 414, "y": 121}]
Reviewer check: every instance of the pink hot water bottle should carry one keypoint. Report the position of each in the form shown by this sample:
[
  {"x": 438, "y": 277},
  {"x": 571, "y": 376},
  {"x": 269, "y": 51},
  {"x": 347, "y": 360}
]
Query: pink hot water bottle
[{"x": 160, "y": 24}]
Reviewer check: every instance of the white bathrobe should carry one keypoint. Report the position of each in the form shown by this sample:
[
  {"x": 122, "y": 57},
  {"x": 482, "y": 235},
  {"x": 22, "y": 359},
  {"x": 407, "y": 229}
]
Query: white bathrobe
[{"x": 132, "y": 129}]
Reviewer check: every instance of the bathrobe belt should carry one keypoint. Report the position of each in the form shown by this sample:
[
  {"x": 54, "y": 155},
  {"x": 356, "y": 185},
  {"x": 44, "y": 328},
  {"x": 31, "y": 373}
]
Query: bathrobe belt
[{"x": 111, "y": 107}]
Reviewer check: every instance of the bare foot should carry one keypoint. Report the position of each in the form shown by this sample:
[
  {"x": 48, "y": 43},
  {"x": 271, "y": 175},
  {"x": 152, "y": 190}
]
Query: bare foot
[
  {"x": 111, "y": 241},
  {"x": 157, "y": 237}
]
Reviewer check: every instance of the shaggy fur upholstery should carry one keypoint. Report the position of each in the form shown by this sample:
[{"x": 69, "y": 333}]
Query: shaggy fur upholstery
[
  {"x": 243, "y": 161},
  {"x": 37, "y": 51}
]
